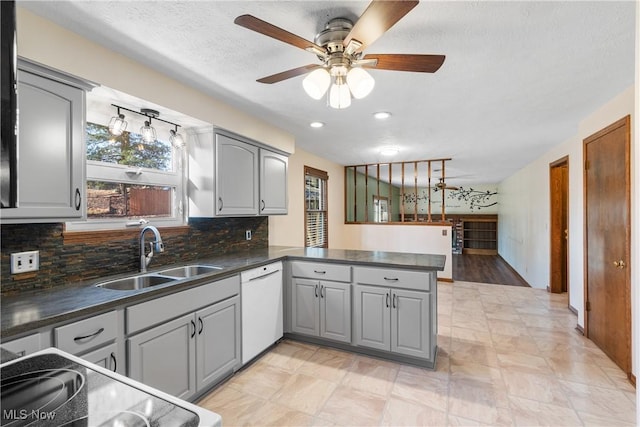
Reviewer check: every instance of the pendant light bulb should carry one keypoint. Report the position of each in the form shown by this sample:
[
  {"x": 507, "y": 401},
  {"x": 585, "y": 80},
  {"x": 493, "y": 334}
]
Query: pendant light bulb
[
  {"x": 316, "y": 83},
  {"x": 176, "y": 139},
  {"x": 148, "y": 133},
  {"x": 360, "y": 82},
  {"x": 117, "y": 125}
]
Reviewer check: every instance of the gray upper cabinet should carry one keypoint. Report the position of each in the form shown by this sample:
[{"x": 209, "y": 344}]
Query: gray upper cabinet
[
  {"x": 50, "y": 151},
  {"x": 236, "y": 177},
  {"x": 273, "y": 183},
  {"x": 233, "y": 176}
]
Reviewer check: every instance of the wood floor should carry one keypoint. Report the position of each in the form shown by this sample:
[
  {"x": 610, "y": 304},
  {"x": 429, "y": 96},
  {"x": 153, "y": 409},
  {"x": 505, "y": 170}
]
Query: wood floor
[{"x": 485, "y": 269}]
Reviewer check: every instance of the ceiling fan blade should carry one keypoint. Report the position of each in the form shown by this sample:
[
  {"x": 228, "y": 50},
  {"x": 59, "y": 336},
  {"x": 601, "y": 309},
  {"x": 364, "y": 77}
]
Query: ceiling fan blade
[
  {"x": 379, "y": 16},
  {"x": 263, "y": 27},
  {"x": 405, "y": 62},
  {"x": 275, "y": 78}
]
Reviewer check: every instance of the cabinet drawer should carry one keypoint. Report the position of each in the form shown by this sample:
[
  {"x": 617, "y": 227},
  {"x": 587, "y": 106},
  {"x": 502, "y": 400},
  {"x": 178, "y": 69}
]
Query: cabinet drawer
[
  {"x": 321, "y": 271},
  {"x": 409, "y": 279},
  {"x": 82, "y": 335},
  {"x": 160, "y": 310}
]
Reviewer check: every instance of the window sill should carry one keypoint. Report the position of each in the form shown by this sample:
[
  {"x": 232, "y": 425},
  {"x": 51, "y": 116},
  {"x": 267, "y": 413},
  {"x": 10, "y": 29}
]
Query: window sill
[{"x": 105, "y": 236}]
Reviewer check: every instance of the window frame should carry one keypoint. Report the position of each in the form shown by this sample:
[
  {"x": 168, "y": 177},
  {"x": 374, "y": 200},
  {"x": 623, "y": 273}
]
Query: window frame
[
  {"x": 324, "y": 177},
  {"x": 117, "y": 173}
]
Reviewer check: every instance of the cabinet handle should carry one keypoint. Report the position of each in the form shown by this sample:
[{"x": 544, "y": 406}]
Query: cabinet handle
[
  {"x": 391, "y": 279},
  {"x": 319, "y": 271},
  {"x": 201, "y": 325},
  {"x": 321, "y": 291},
  {"x": 194, "y": 328},
  {"x": 394, "y": 301},
  {"x": 115, "y": 364},
  {"x": 263, "y": 205},
  {"x": 387, "y": 300},
  {"x": 316, "y": 291},
  {"x": 98, "y": 332},
  {"x": 220, "y": 203},
  {"x": 78, "y": 199}
]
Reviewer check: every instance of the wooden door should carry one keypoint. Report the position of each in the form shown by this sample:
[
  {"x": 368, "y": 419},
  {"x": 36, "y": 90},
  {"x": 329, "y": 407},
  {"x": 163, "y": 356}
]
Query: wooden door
[
  {"x": 607, "y": 241},
  {"x": 559, "y": 229}
]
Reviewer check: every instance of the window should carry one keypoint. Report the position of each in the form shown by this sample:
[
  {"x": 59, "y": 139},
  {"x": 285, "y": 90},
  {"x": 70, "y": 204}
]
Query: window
[
  {"x": 315, "y": 211},
  {"x": 129, "y": 180}
]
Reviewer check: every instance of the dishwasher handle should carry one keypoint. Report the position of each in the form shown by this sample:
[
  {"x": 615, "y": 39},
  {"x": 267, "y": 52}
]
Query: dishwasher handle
[{"x": 264, "y": 275}]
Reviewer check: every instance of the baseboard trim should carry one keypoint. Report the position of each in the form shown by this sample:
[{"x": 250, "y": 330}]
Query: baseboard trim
[
  {"x": 632, "y": 378},
  {"x": 573, "y": 310},
  {"x": 514, "y": 271},
  {"x": 445, "y": 279},
  {"x": 580, "y": 329}
]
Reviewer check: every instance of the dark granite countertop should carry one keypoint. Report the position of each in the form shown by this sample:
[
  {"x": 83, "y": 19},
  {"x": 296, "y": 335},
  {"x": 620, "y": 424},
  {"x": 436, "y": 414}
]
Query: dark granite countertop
[{"x": 33, "y": 310}]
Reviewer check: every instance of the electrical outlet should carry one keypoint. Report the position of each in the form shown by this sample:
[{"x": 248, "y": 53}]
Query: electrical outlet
[
  {"x": 22, "y": 262},
  {"x": 247, "y": 235}
]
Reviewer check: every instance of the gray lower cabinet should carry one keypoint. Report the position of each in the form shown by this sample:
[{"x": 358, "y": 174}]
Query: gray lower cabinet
[
  {"x": 163, "y": 357},
  {"x": 106, "y": 357},
  {"x": 394, "y": 320},
  {"x": 186, "y": 355},
  {"x": 321, "y": 308}
]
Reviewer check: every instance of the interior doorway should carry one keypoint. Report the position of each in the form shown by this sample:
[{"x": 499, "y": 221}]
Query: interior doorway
[
  {"x": 607, "y": 182},
  {"x": 559, "y": 225}
]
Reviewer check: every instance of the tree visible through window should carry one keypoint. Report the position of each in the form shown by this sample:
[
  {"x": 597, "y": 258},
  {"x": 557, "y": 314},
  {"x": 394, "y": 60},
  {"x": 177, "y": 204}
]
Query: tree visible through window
[{"x": 315, "y": 212}]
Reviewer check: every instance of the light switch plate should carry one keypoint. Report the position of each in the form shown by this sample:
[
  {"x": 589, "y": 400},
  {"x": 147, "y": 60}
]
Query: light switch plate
[
  {"x": 23, "y": 262},
  {"x": 247, "y": 235}
]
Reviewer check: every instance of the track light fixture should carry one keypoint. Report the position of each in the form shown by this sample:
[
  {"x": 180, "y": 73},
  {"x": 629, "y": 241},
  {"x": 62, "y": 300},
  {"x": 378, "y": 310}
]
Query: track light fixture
[{"x": 117, "y": 126}]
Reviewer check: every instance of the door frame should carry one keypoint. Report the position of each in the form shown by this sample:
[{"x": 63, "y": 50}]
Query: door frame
[
  {"x": 556, "y": 210},
  {"x": 623, "y": 122}
]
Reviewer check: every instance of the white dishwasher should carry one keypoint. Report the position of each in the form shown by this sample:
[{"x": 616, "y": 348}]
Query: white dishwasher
[{"x": 262, "y": 309}]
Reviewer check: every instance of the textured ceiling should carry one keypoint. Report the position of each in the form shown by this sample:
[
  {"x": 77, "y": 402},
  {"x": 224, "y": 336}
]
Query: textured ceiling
[{"x": 517, "y": 79}]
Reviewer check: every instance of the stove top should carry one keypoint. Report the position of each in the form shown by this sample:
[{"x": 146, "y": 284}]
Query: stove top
[{"x": 54, "y": 388}]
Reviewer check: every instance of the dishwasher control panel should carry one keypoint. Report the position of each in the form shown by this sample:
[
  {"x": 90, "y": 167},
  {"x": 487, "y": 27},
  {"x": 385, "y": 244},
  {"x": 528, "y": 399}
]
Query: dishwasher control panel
[{"x": 257, "y": 272}]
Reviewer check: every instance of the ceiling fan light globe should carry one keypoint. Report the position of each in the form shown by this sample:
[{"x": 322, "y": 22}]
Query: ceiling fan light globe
[
  {"x": 339, "y": 96},
  {"x": 360, "y": 82},
  {"x": 316, "y": 83}
]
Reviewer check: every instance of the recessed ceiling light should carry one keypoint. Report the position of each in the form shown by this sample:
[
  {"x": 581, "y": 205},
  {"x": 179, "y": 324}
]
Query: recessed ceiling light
[
  {"x": 389, "y": 150},
  {"x": 381, "y": 115},
  {"x": 316, "y": 124}
]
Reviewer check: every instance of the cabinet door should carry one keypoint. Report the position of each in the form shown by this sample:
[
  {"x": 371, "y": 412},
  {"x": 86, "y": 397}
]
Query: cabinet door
[
  {"x": 50, "y": 150},
  {"x": 335, "y": 311},
  {"x": 164, "y": 357},
  {"x": 218, "y": 341},
  {"x": 273, "y": 183},
  {"x": 411, "y": 323},
  {"x": 106, "y": 357},
  {"x": 304, "y": 308},
  {"x": 236, "y": 177},
  {"x": 372, "y": 317}
]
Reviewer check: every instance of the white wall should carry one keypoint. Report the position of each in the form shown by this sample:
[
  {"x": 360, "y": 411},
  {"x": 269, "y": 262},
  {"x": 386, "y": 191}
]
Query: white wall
[
  {"x": 524, "y": 208},
  {"x": 49, "y": 44}
]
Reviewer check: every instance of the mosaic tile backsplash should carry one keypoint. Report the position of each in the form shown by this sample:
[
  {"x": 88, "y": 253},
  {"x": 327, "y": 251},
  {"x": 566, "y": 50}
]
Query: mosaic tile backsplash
[{"x": 67, "y": 263}]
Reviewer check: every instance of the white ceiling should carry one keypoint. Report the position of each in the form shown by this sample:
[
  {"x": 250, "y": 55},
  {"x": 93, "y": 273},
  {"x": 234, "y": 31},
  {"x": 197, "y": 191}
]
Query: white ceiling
[{"x": 517, "y": 79}]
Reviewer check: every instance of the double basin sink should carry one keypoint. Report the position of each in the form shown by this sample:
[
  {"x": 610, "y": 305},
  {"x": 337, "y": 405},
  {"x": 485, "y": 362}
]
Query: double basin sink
[{"x": 147, "y": 280}]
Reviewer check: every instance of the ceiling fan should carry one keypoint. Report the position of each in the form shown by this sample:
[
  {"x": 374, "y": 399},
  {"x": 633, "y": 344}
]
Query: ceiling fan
[
  {"x": 340, "y": 48},
  {"x": 441, "y": 185}
]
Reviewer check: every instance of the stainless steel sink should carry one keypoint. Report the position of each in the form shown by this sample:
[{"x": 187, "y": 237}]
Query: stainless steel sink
[
  {"x": 136, "y": 282},
  {"x": 189, "y": 271}
]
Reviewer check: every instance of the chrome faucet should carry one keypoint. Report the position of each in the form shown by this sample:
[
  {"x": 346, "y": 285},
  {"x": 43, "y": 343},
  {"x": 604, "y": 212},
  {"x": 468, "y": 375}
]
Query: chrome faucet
[{"x": 156, "y": 244}]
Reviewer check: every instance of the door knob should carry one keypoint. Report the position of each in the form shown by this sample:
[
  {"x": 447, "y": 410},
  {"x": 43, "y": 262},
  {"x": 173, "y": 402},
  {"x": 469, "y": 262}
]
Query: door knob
[{"x": 619, "y": 264}]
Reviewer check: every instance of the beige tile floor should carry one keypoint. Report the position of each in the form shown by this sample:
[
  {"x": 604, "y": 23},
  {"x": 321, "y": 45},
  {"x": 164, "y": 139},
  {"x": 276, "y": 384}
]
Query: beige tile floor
[{"x": 507, "y": 356}]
